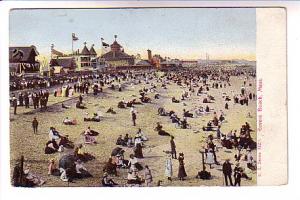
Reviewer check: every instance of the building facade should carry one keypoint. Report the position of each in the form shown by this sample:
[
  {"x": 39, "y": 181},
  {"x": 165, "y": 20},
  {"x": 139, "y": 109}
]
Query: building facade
[
  {"x": 116, "y": 57},
  {"x": 84, "y": 60},
  {"x": 22, "y": 60},
  {"x": 63, "y": 65}
]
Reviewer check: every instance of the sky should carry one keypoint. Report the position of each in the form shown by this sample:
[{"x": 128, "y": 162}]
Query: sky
[{"x": 183, "y": 33}]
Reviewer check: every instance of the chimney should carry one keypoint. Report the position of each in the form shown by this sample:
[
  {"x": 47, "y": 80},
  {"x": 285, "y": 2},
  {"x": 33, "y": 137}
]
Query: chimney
[{"x": 149, "y": 55}]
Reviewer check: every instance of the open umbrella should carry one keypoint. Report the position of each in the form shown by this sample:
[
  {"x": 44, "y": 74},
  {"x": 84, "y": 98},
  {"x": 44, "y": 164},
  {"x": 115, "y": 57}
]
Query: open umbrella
[
  {"x": 116, "y": 151},
  {"x": 67, "y": 162}
]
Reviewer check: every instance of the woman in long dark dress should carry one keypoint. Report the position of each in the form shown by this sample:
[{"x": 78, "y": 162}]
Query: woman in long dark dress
[
  {"x": 138, "y": 152},
  {"x": 181, "y": 170}
]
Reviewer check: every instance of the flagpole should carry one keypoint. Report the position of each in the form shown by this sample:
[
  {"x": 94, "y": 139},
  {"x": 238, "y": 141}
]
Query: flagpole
[
  {"x": 72, "y": 44},
  {"x": 102, "y": 50},
  {"x": 52, "y": 47}
]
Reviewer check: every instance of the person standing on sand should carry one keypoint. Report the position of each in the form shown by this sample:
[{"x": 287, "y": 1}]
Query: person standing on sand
[
  {"x": 148, "y": 176},
  {"x": 15, "y": 104},
  {"x": 237, "y": 174},
  {"x": 173, "y": 148},
  {"x": 169, "y": 167},
  {"x": 26, "y": 99},
  {"x": 212, "y": 146},
  {"x": 35, "y": 124},
  {"x": 181, "y": 170},
  {"x": 133, "y": 116},
  {"x": 226, "y": 106},
  {"x": 227, "y": 171},
  {"x": 80, "y": 98}
]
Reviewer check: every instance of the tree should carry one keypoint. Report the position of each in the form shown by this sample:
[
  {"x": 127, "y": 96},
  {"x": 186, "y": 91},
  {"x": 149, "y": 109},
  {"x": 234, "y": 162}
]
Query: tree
[{"x": 44, "y": 64}]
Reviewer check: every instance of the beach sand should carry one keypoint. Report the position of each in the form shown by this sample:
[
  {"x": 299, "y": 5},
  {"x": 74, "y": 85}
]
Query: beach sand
[{"x": 188, "y": 141}]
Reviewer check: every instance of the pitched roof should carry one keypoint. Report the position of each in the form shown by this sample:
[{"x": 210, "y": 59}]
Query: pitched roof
[
  {"x": 118, "y": 55},
  {"x": 115, "y": 44},
  {"x": 92, "y": 51},
  {"x": 143, "y": 63},
  {"x": 55, "y": 52},
  {"x": 64, "y": 62},
  {"x": 21, "y": 54},
  {"x": 85, "y": 51}
]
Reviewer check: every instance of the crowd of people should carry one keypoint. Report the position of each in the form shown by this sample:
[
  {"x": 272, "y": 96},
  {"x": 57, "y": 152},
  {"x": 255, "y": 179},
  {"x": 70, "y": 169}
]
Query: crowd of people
[
  {"x": 193, "y": 83},
  {"x": 37, "y": 99}
]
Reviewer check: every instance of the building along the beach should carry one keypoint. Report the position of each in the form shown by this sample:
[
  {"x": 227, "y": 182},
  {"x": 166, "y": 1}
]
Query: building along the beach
[
  {"x": 84, "y": 60},
  {"x": 116, "y": 57},
  {"x": 22, "y": 60}
]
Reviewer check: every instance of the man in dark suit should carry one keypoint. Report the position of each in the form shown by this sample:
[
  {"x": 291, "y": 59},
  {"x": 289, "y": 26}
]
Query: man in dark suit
[
  {"x": 227, "y": 171},
  {"x": 15, "y": 104},
  {"x": 133, "y": 116},
  {"x": 26, "y": 99},
  {"x": 80, "y": 98},
  {"x": 35, "y": 124},
  {"x": 173, "y": 148}
]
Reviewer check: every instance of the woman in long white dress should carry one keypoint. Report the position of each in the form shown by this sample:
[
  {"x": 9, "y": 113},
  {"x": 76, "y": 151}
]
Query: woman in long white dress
[
  {"x": 169, "y": 167},
  {"x": 210, "y": 158},
  {"x": 71, "y": 91}
]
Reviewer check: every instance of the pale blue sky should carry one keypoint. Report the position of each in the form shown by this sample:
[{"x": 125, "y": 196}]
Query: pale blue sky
[{"x": 177, "y": 32}]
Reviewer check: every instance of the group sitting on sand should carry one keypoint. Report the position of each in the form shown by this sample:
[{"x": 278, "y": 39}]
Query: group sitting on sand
[
  {"x": 197, "y": 101},
  {"x": 57, "y": 142}
]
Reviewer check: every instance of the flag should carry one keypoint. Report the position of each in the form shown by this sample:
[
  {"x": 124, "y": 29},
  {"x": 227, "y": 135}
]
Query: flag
[
  {"x": 74, "y": 38},
  {"x": 105, "y": 44}
]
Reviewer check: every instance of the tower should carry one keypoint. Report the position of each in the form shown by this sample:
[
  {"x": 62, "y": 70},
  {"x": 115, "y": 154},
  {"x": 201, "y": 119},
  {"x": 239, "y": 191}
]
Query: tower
[{"x": 149, "y": 55}]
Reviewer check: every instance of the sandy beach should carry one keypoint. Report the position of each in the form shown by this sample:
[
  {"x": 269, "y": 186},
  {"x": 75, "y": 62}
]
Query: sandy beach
[{"x": 189, "y": 141}]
